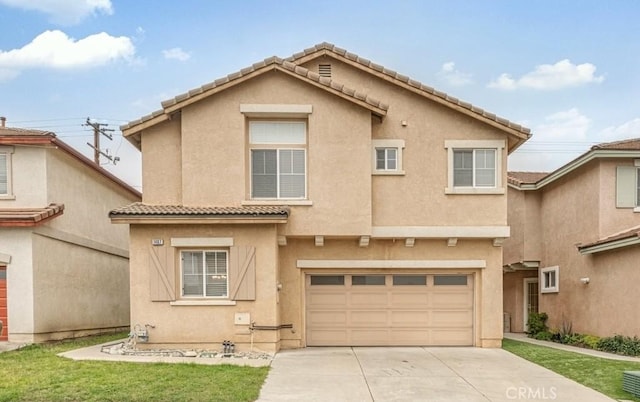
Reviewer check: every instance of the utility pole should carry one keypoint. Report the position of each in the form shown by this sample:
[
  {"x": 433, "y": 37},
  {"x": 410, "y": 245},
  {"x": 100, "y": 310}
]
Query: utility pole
[{"x": 98, "y": 129}]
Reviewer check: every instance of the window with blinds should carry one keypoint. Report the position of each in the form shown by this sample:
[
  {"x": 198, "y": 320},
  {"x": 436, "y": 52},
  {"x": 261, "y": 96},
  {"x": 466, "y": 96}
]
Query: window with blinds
[
  {"x": 205, "y": 273},
  {"x": 278, "y": 159},
  {"x": 474, "y": 168}
]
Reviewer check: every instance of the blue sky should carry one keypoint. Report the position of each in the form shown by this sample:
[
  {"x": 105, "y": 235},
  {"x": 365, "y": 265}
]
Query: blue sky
[{"x": 569, "y": 70}]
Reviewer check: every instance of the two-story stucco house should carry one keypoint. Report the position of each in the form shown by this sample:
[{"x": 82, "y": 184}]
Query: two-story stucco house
[
  {"x": 573, "y": 251},
  {"x": 64, "y": 268},
  {"x": 316, "y": 200}
]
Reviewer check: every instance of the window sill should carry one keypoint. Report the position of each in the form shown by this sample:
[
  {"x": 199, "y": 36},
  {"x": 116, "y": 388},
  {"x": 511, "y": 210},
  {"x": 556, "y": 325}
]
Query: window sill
[
  {"x": 7, "y": 197},
  {"x": 388, "y": 173},
  {"x": 550, "y": 290},
  {"x": 277, "y": 202},
  {"x": 203, "y": 303},
  {"x": 636, "y": 209},
  {"x": 473, "y": 190}
]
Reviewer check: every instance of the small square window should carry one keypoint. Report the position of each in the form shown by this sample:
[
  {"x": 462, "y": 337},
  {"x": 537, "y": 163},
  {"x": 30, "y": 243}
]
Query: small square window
[
  {"x": 387, "y": 157},
  {"x": 204, "y": 273},
  {"x": 550, "y": 280}
]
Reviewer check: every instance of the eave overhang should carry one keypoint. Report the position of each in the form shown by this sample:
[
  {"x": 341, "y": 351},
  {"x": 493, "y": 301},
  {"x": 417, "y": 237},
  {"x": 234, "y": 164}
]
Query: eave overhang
[
  {"x": 575, "y": 164},
  {"x": 139, "y": 213},
  {"x": 29, "y": 217},
  {"x": 604, "y": 245}
]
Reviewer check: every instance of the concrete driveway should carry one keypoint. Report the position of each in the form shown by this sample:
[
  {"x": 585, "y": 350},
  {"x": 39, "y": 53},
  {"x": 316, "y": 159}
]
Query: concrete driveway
[{"x": 415, "y": 374}]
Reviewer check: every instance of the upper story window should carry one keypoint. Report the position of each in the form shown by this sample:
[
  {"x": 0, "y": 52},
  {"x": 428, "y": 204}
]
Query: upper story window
[
  {"x": 475, "y": 167},
  {"x": 628, "y": 186},
  {"x": 278, "y": 159},
  {"x": 204, "y": 273},
  {"x": 5, "y": 172},
  {"x": 387, "y": 157}
]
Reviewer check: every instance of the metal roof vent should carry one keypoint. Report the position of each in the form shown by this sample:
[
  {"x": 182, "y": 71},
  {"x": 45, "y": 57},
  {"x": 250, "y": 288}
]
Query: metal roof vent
[
  {"x": 631, "y": 382},
  {"x": 324, "y": 70}
]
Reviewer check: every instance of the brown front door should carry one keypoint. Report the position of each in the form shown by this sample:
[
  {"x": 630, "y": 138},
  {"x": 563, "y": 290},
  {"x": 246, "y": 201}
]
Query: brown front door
[{"x": 4, "y": 334}]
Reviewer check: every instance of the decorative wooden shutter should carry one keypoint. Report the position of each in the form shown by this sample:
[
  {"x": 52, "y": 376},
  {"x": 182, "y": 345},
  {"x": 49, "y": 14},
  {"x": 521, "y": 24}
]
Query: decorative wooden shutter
[
  {"x": 626, "y": 186},
  {"x": 242, "y": 273},
  {"x": 162, "y": 275}
]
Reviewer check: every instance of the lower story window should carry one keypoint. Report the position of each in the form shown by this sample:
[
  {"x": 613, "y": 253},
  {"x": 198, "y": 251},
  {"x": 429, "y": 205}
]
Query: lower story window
[{"x": 204, "y": 274}]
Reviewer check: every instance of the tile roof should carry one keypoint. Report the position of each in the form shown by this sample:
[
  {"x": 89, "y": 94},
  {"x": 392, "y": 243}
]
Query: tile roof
[
  {"x": 25, "y": 217},
  {"x": 140, "y": 209},
  {"x": 427, "y": 90},
  {"x": 627, "y": 234},
  {"x": 15, "y": 131},
  {"x": 518, "y": 178},
  {"x": 632, "y": 144},
  {"x": 266, "y": 64}
]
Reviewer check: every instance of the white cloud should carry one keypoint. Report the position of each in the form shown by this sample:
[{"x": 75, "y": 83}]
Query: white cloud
[
  {"x": 65, "y": 12},
  {"x": 561, "y": 137},
  {"x": 452, "y": 76},
  {"x": 630, "y": 129},
  {"x": 566, "y": 125},
  {"x": 563, "y": 74},
  {"x": 176, "y": 53},
  {"x": 54, "y": 49}
]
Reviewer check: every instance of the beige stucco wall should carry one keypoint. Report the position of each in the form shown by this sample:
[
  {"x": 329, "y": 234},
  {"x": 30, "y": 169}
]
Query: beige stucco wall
[
  {"x": 412, "y": 199},
  {"x": 206, "y": 325},
  {"x": 161, "y": 163},
  {"x": 580, "y": 208}
]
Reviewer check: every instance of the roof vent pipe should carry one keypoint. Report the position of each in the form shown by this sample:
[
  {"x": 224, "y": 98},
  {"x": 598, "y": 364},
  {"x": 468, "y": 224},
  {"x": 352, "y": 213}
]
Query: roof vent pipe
[{"x": 2, "y": 121}]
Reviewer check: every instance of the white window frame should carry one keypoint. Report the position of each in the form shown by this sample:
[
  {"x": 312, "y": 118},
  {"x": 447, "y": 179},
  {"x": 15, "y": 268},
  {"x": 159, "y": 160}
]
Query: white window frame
[
  {"x": 471, "y": 145},
  {"x": 8, "y": 153},
  {"x": 398, "y": 145},
  {"x": 277, "y": 148},
  {"x": 203, "y": 295},
  {"x": 636, "y": 163},
  {"x": 554, "y": 274}
]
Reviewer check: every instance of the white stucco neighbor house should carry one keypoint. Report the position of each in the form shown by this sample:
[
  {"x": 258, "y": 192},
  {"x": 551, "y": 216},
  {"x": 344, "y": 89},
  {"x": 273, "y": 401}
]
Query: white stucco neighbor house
[{"x": 63, "y": 266}]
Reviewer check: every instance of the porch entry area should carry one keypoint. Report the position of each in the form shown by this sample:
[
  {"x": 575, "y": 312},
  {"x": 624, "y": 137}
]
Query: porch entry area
[
  {"x": 4, "y": 333},
  {"x": 382, "y": 309}
]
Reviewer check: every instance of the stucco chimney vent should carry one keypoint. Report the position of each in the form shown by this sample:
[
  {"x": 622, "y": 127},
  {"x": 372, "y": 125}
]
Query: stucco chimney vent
[
  {"x": 3, "y": 120},
  {"x": 324, "y": 70}
]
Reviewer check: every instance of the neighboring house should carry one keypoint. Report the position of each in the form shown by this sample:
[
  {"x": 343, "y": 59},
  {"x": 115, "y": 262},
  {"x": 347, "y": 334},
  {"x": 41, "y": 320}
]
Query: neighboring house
[
  {"x": 573, "y": 251},
  {"x": 319, "y": 200},
  {"x": 63, "y": 266}
]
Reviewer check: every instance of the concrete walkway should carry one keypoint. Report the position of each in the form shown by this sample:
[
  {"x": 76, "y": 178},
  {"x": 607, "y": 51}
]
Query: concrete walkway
[
  {"x": 415, "y": 374},
  {"x": 568, "y": 348}
]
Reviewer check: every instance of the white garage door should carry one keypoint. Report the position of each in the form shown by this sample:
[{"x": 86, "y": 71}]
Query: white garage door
[{"x": 389, "y": 310}]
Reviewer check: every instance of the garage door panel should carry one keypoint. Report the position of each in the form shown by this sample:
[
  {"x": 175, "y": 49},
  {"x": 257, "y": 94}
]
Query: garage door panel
[
  {"x": 368, "y": 299},
  {"x": 450, "y": 318},
  {"x": 330, "y": 318},
  {"x": 328, "y": 337},
  {"x": 409, "y": 318},
  {"x": 368, "y": 318},
  {"x": 451, "y": 337},
  {"x": 410, "y": 299},
  {"x": 370, "y": 336},
  {"x": 403, "y": 312},
  {"x": 328, "y": 298},
  {"x": 452, "y": 299}
]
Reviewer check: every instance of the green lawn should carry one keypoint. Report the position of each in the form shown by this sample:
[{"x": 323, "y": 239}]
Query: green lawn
[
  {"x": 603, "y": 375},
  {"x": 35, "y": 373}
]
